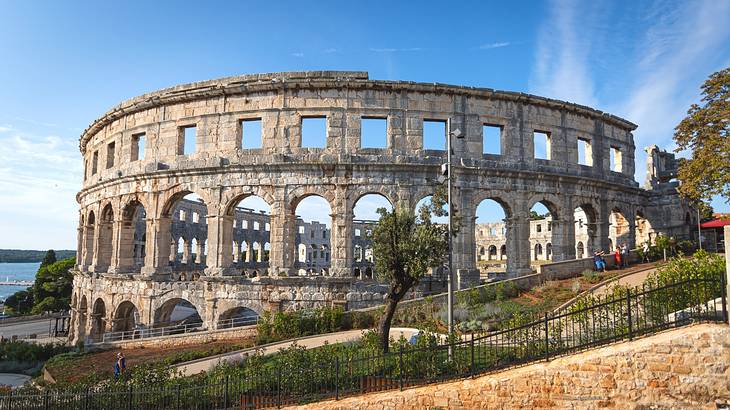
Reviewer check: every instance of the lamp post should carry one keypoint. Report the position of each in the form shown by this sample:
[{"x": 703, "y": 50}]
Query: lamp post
[{"x": 450, "y": 281}]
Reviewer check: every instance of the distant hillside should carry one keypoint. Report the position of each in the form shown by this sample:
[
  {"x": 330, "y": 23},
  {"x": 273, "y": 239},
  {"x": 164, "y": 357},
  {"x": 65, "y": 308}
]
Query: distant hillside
[{"x": 25, "y": 256}]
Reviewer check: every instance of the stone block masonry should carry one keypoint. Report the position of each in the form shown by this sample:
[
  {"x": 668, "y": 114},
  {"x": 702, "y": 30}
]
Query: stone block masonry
[{"x": 687, "y": 368}]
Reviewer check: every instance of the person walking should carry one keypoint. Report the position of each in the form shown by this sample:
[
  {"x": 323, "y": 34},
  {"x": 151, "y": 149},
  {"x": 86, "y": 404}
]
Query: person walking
[
  {"x": 599, "y": 262},
  {"x": 617, "y": 258},
  {"x": 645, "y": 252},
  {"x": 625, "y": 254},
  {"x": 119, "y": 366}
]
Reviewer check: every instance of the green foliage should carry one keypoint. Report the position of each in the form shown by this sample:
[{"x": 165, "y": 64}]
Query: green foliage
[
  {"x": 21, "y": 301},
  {"x": 286, "y": 325},
  {"x": 49, "y": 258},
  {"x": 53, "y": 286},
  {"x": 29, "y": 352},
  {"x": 591, "y": 276},
  {"x": 705, "y": 132},
  {"x": 25, "y": 256}
]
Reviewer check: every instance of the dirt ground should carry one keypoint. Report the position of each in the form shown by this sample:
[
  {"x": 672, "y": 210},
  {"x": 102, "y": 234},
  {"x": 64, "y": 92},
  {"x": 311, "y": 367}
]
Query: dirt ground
[{"x": 102, "y": 363}]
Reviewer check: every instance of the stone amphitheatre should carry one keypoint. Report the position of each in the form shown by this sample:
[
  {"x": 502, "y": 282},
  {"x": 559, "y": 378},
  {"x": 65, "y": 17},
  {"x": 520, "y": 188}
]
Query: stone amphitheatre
[{"x": 143, "y": 249}]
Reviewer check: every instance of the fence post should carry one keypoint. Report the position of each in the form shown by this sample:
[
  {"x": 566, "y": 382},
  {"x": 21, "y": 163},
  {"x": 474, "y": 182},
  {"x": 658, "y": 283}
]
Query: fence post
[
  {"x": 400, "y": 373},
  {"x": 45, "y": 401},
  {"x": 278, "y": 387},
  {"x": 472, "y": 369},
  {"x": 628, "y": 306},
  {"x": 547, "y": 339},
  {"x": 337, "y": 377},
  {"x": 130, "y": 398},
  {"x": 86, "y": 399},
  {"x": 178, "y": 398},
  {"x": 225, "y": 393}
]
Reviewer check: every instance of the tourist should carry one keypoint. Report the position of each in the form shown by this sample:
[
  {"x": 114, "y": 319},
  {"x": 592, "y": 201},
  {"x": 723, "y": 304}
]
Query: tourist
[
  {"x": 625, "y": 255},
  {"x": 598, "y": 261},
  {"x": 645, "y": 251},
  {"x": 617, "y": 257},
  {"x": 119, "y": 366}
]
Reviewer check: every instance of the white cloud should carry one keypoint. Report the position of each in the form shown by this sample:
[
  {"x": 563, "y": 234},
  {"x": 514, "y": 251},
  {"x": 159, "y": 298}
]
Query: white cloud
[
  {"x": 494, "y": 45},
  {"x": 395, "y": 50},
  {"x": 299, "y": 55},
  {"x": 329, "y": 50},
  {"x": 561, "y": 64},
  {"x": 5, "y": 128}
]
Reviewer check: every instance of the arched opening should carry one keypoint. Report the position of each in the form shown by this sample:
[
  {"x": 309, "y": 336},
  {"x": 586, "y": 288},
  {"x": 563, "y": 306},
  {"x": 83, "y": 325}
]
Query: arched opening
[
  {"x": 643, "y": 229},
  {"x": 83, "y": 317},
  {"x": 313, "y": 221},
  {"x": 106, "y": 235},
  {"x": 89, "y": 230},
  {"x": 134, "y": 224},
  {"x": 126, "y": 317},
  {"x": 542, "y": 215},
  {"x": 490, "y": 233},
  {"x": 188, "y": 221},
  {"x": 98, "y": 322},
  {"x": 365, "y": 216},
  {"x": 619, "y": 229},
  {"x": 238, "y": 316},
  {"x": 250, "y": 227},
  {"x": 548, "y": 251},
  {"x": 175, "y": 312},
  {"x": 585, "y": 228},
  {"x": 579, "y": 250}
]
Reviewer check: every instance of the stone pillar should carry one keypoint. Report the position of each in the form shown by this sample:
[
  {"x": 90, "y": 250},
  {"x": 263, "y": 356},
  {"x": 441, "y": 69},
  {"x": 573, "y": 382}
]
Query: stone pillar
[
  {"x": 123, "y": 252},
  {"x": 518, "y": 242},
  {"x": 102, "y": 238},
  {"x": 157, "y": 258},
  {"x": 563, "y": 237},
  {"x": 464, "y": 244},
  {"x": 631, "y": 236},
  {"x": 80, "y": 246},
  {"x": 220, "y": 233},
  {"x": 282, "y": 239},
  {"x": 602, "y": 229},
  {"x": 341, "y": 238},
  {"x": 187, "y": 246}
]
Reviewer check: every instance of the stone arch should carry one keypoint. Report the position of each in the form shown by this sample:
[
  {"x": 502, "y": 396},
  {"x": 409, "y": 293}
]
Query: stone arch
[
  {"x": 106, "y": 238},
  {"x": 585, "y": 215},
  {"x": 643, "y": 228},
  {"x": 83, "y": 312},
  {"x": 492, "y": 252},
  {"x": 237, "y": 316},
  {"x": 503, "y": 252},
  {"x": 126, "y": 317},
  {"x": 579, "y": 250},
  {"x": 537, "y": 255},
  {"x": 99, "y": 319},
  {"x": 171, "y": 196},
  {"x": 301, "y": 192},
  {"x": 89, "y": 233},
  {"x": 619, "y": 228},
  {"x": 233, "y": 197},
  {"x": 176, "y": 310},
  {"x": 548, "y": 251},
  {"x": 133, "y": 238}
]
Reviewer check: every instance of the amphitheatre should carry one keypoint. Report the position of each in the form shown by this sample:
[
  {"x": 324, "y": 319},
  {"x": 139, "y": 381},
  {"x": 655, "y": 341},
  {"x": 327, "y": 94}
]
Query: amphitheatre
[{"x": 144, "y": 248}]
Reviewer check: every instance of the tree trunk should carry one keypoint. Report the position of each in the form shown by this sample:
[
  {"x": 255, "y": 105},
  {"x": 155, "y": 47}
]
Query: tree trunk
[{"x": 385, "y": 321}]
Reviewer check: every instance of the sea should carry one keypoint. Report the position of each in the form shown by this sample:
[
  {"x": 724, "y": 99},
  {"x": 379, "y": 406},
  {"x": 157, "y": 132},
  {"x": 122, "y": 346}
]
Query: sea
[{"x": 16, "y": 271}]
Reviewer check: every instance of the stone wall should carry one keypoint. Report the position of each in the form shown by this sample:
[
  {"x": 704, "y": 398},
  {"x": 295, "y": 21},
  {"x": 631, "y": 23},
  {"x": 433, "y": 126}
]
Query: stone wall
[
  {"x": 686, "y": 368},
  {"x": 235, "y": 334}
]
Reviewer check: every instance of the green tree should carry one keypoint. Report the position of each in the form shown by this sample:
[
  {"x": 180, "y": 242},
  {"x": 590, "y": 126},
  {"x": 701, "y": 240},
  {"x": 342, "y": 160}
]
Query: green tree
[
  {"x": 53, "y": 285},
  {"x": 21, "y": 301},
  {"x": 405, "y": 246},
  {"x": 705, "y": 132},
  {"x": 49, "y": 259}
]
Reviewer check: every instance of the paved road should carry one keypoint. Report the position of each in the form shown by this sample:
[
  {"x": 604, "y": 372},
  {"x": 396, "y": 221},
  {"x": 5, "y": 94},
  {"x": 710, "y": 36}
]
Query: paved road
[
  {"x": 39, "y": 326},
  {"x": 202, "y": 365}
]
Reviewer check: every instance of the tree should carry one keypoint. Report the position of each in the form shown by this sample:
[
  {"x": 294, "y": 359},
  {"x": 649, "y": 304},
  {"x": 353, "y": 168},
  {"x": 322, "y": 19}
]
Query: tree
[
  {"x": 53, "y": 285},
  {"x": 49, "y": 259},
  {"x": 405, "y": 246},
  {"x": 705, "y": 132}
]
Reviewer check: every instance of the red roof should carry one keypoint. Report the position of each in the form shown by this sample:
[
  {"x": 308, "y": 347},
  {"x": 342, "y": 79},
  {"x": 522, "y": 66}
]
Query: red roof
[{"x": 717, "y": 223}]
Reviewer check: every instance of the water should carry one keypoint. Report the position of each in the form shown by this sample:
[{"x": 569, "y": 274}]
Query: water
[{"x": 16, "y": 271}]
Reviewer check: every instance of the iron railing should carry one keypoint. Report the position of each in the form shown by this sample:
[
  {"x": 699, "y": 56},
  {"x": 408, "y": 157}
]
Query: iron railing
[
  {"x": 618, "y": 316},
  {"x": 145, "y": 333}
]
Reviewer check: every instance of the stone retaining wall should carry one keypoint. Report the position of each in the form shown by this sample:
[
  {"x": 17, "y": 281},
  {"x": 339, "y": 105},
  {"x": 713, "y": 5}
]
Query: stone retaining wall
[
  {"x": 186, "y": 339},
  {"x": 687, "y": 368}
]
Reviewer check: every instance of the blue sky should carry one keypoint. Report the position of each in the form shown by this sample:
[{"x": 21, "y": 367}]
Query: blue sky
[{"x": 65, "y": 63}]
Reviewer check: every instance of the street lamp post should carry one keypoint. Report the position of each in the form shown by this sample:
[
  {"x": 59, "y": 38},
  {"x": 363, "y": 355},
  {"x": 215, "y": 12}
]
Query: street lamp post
[{"x": 450, "y": 281}]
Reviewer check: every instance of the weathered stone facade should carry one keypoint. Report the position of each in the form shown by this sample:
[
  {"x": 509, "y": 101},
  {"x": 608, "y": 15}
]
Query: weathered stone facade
[
  {"x": 679, "y": 369},
  {"x": 138, "y": 160}
]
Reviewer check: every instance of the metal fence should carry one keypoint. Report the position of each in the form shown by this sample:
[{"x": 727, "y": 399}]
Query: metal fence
[{"x": 618, "y": 316}]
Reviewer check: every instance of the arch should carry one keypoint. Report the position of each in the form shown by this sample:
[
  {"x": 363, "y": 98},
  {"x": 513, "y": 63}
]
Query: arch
[
  {"x": 585, "y": 217},
  {"x": 491, "y": 214},
  {"x": 105, "y": 238},
  {"x": 618, "y": 228},
  {"x": 89, "y": 233},
  {"x": 237, "y": 316},
  {"x": 83, "y": 317},
  {"x": 538, "y": 252},
  {"x": 548, "y": 251},
  {"x": 579, "y": 250},
  {"x": 98, "y": 323},
  {"x": 643, "y": 228},
  {"x": 126, "y": 317},
  {"x": 133, "y": 245},
  {"x": 237, "y": 197},
  {"x": 492, "y": 252},
  {"x": 317, "y": 233},
  {"x": 503, "y": 252},
  {"x": 176, "y": 311}
]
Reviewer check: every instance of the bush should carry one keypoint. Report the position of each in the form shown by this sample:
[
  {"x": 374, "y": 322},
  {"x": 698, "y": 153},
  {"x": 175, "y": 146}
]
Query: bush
[
  {"x": 287, "y": 325},
  {"x": 29, "y": 352}
]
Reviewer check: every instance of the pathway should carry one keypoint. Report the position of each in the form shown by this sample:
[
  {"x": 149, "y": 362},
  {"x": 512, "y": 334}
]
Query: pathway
[{"x": 208, "y": 363}]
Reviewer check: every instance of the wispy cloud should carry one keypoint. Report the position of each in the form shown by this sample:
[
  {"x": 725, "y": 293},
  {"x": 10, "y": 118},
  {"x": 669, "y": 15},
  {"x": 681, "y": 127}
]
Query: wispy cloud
[
  {"x": 490, "y": 46},
  {"x": 329, "y": 50},
  {"x": 561, "y": 63},
  {"x": 395, "y": 50},
  {"x": 298, "y": 55},
  {"x": 5, "y": 128}
]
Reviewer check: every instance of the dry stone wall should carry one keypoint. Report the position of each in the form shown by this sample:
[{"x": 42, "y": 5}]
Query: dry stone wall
[{"x": 687, "y": 368}]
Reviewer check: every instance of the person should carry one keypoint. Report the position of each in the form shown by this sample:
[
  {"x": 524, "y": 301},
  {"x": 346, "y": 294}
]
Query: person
[
  {"x": 598, "y": 261},
  {"x": 119, "y": 366},
  {"x": 617, "y": 257},
  {"x": 625, "y": 255},
  {"x": 645, "y": 251}
]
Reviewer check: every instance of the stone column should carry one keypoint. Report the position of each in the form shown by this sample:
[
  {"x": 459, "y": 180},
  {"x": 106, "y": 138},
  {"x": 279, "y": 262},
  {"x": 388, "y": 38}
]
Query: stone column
[
  {"x": 157, "y": 258},
  {"x": 602, "y": 229},
  {"x": 123, "y": 252},
  {"x": 563, "y": 237},
  {"x": 80, "y": 247},
  {"x": 341, "y": 238},
  {"x": 282, "y": 239},
  {"x": 220, "y": 233},
  {"x": 464, "y": 244},
  {"x": 102, "y": 234},
  {"x": 631, "y": 235},
  {"x": 187, "y": 246},
  {"x": 518, "y": 242}
]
